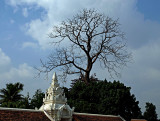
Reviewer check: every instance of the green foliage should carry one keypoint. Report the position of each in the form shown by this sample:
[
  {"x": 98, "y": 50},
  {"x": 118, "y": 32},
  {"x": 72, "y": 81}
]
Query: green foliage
[
  {"x": 10, "y": 96},
  {"x": 37, "y": 99},
  {"x": 150, "y": 112},
  {"x": 103, "y": 97},
  {"x": 26, "y": 102}
]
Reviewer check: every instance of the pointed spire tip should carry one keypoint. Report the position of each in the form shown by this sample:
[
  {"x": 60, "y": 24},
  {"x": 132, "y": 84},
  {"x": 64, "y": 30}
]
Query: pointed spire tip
[{"x": 54, "y": 77}]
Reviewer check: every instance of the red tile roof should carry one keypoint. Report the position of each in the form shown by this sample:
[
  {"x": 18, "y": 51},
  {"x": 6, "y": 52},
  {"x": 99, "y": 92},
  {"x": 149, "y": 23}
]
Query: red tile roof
[
  {"x": 95, "y": 117},
  {"x": 13, "y": 114}
]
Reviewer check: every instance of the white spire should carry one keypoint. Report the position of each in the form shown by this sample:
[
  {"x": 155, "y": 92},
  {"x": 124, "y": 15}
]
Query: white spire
[
  {"x": 54, "y": 77},
  {"x": 54, "y": 80}
]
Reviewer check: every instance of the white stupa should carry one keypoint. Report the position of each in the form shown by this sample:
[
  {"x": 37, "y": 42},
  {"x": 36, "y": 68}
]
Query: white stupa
[{"x": 55, "y": 104}]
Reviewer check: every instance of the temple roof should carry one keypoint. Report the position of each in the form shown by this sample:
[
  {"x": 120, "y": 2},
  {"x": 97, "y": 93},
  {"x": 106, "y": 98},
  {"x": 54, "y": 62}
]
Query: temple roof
[
  {"x": 95, "y": 117},
  {"x": 15, "y": 114}
]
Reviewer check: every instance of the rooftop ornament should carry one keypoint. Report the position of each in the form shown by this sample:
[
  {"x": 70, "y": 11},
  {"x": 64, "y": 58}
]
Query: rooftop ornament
[{"x": 55, "y": 104}]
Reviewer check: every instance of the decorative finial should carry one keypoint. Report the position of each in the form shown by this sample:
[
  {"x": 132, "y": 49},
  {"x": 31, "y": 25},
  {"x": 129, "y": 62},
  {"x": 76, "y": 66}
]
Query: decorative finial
[{"x": 54, "y": 77}]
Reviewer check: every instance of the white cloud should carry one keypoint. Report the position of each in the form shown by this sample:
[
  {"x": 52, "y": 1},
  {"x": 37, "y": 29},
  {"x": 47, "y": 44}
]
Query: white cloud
[
  {"x": 146, "y": 61},
  {"x": 4, "y": 59},
  {"x": 23, "y": 73},
  {"x": 25, "y": 12},
  {"x": 138, "y": 30},
  {"x": 57, "y": 11},
  {"x": 39, "y": 30},
  {"x": 12, "y": 21},
  {"x": 29, "y": 44}
]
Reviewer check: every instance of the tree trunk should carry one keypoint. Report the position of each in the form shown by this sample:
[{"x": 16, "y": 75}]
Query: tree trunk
[
  {"x": 88, "y": 70},
  {"x": 86, "y": 77}
]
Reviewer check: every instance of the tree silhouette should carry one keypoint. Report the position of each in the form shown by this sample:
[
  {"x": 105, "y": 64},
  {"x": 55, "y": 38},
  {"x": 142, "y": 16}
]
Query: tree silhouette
[
  {"x": 150, "y": 112},
  {"x": 103, "y": 97},
  {"x": 87, "y": 38}
]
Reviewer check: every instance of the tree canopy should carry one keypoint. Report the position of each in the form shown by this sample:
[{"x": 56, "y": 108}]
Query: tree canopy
[
  {"x": 87, "y": 38},
  {"x": 37, "y": 99},
  {"x": 103, "y": 97},
  {"x": 10, "y": 96},
  {"x": 150, "y": 112}
]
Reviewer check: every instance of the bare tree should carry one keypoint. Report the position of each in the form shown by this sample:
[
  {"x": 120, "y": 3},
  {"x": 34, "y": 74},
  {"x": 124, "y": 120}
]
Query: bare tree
[{"x": 90, "y": 37}]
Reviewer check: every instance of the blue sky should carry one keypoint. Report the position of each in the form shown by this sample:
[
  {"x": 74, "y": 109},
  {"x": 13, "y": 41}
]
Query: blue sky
[
  {"x": 24, "y": 26},
  {"x": 149, "y": 8}
]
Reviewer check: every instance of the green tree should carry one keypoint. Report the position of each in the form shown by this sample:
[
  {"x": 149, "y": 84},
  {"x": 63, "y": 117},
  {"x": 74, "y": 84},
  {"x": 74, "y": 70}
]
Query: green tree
[
  {"x": 37, "y": 99},
  {"x": 92, "y": 37},
  {"x": 150, "y": 112},
  {"x": 103, "y": 97},
  {"x": 26, "y": 102},
  {"x": 10, "y": 96}
]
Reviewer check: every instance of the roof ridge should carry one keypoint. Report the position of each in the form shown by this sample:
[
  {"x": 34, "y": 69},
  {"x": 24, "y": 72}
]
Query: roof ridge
[
  {"x": 94, "y": 114},
  {"x": 19, "y": 109}
]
